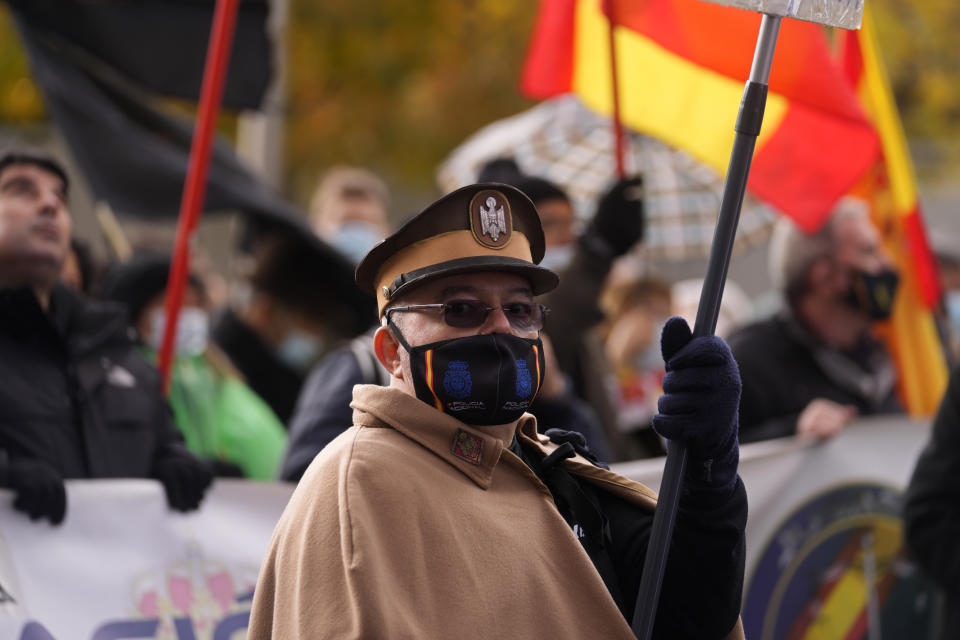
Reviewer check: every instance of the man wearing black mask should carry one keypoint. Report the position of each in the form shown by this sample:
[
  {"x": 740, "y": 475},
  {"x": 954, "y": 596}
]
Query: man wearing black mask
[
  {"x": 816, "y": 365},
  {"x": 443, "y": 513}
]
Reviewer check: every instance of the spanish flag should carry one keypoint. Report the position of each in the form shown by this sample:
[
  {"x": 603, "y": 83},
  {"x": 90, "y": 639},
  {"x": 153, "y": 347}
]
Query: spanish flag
[
  {"x": 681, "y": 69},
  {"x": 911, "y": 335}
]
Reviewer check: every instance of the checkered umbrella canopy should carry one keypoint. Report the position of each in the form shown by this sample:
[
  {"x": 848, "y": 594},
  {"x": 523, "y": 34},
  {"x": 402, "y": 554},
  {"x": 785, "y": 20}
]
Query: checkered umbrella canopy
[{"x": 563, "y": 141}]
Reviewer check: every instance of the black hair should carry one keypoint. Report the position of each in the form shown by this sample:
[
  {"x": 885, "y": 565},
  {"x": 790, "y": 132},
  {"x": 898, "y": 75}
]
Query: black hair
[
  {"x": 139, "y": 280},
  {"x": 37, "y": 158},
  {"x": 503, "y": 170},
  {"x": 539, "y": 190}
]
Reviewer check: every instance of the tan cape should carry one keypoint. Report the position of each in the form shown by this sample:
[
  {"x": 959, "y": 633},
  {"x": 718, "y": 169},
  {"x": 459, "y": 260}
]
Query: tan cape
[{"x": 413, "y": 525}]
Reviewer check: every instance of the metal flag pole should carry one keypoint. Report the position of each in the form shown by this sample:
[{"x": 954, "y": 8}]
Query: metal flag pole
[
  {"x": 749, "y": 120},
  {"x": 195, "y": 185}
]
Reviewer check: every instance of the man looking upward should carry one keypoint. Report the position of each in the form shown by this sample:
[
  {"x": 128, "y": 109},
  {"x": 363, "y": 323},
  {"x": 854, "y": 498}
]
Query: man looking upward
[{"x": 77, "y": 400}]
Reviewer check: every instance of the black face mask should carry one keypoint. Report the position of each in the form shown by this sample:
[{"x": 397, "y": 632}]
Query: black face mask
[
  {"x": 480, "y": 380},
  {"x": 873, "y": 293}
]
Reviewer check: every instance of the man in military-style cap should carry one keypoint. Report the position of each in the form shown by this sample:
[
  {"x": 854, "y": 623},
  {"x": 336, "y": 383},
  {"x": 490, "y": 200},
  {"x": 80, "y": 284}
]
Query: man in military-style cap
[{"x": 443, "y": 513}]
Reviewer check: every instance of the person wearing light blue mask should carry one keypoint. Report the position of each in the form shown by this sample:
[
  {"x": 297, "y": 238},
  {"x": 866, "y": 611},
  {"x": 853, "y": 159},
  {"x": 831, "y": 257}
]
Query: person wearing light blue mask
[
  {"x": 349, "y": 210},
  {"x": 294, "y": 306},
  {"x": 300, "y": 347},
  {"x": 355, "y": 238},
  {"x": 556, "y": 216},
  {"x": 222, "y": 420}
]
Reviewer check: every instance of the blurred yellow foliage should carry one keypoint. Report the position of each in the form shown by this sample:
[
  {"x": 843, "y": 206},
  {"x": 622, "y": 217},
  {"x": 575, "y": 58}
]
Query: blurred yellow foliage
[
  {"x": 918, "y": 42},
  {"x": 396, "y": 84},
  {"x": 20, "y": 101}
]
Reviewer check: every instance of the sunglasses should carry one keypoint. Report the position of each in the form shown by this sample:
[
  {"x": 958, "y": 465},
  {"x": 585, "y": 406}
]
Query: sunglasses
[{"x": 470, "y": 314}]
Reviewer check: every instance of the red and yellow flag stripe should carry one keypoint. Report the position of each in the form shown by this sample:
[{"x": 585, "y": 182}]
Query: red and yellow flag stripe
[
  {"x": 911, "y": 335},
  {"x": 428, "y": 358}
]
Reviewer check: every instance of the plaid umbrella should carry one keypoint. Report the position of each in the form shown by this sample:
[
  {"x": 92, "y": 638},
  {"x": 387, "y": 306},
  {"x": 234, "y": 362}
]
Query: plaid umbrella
[{"x": 563, "y": 141}]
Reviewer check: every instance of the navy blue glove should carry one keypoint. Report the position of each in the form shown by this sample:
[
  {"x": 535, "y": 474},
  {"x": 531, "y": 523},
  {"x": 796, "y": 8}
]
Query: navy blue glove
[
  {"x": 700, "y": 403},
  {"x": 39, "y": 489}
]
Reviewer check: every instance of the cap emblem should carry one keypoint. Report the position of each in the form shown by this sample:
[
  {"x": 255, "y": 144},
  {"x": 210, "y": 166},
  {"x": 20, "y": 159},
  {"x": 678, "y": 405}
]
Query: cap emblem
[{"x": 490, "y": 219}]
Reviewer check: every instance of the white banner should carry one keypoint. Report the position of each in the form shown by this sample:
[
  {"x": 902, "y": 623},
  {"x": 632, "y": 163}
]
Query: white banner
[
  {"x": 825, "y": 556},
  {"x": 122, "y": 565},
  {"x": 824, "y": 549}
]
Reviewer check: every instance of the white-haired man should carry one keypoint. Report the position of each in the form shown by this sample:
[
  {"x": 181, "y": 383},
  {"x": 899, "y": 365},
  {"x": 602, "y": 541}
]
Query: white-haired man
[{"x": 816, "y": 365}]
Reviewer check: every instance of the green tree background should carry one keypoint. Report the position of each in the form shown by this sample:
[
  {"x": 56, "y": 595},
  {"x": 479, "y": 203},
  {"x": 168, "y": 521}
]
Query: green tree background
[{"x": 395, "y": 85}]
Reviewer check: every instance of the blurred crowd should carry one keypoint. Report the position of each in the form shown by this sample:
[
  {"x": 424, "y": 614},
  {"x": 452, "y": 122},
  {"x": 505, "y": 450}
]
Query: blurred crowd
[{"x": 262, "y": 377}]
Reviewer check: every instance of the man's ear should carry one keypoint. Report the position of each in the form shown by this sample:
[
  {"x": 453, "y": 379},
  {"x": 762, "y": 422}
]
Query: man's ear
[{"x": 387, "y": 348}]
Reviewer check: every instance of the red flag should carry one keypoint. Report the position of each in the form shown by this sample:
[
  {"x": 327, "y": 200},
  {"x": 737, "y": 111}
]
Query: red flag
[{"x": 681, "y": 73}]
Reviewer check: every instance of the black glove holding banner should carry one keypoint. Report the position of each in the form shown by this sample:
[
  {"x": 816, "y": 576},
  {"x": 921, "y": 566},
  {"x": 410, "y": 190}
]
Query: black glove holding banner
[
  {"x": 618, "y": 223},
  {"x": 185, "y": 479},
  {"x": 38, "y": 487},
  {"x": 700, "y": 404}
]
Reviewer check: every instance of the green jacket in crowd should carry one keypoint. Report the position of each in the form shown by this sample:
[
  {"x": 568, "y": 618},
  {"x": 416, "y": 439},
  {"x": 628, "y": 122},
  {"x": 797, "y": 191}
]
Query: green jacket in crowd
[{"x": 221, "y": 418}]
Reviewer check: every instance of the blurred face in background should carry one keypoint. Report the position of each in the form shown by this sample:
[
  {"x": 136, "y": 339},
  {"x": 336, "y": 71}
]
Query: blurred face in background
[
  {"x": 353, "y": 221},
  {"x": 193, "y": 325},
  {"x": 633, "y": 341},
  {"x": 34, "y": 225},
  {"x": 861, "y": 276},
  {"x": 556, "y": 216},
  {"x": 858, "y": 246},
  {"x": 358, "y": 205}
]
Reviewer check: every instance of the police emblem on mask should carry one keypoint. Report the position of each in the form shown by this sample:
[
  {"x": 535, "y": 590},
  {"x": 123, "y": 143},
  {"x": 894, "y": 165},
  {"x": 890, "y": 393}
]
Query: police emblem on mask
[
  {"x": 524, "y": 382},
  {"x": 456, "y": 380},
  {"x": 490, "y": 219}
]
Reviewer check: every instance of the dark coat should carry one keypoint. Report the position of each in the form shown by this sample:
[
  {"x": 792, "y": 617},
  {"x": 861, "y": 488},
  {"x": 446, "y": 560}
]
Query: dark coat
[
  {"x": 75, "y": 391},
  {"x": 932, "y": 507},
  {"x": 271, "y": 379},
  {"x": 782, "y": 369}
]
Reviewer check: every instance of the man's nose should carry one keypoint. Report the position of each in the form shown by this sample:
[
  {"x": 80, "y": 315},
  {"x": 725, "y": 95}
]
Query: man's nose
[
  {"x": 50, "y": 204},
  {"x": 496, "y": 322}
]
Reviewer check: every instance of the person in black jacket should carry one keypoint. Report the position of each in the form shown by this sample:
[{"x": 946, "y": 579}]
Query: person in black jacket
[
  {"x": 76, "y": 398},
  {"x": 816, "y": 365},
  {"x": 932, "y": 507}
]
